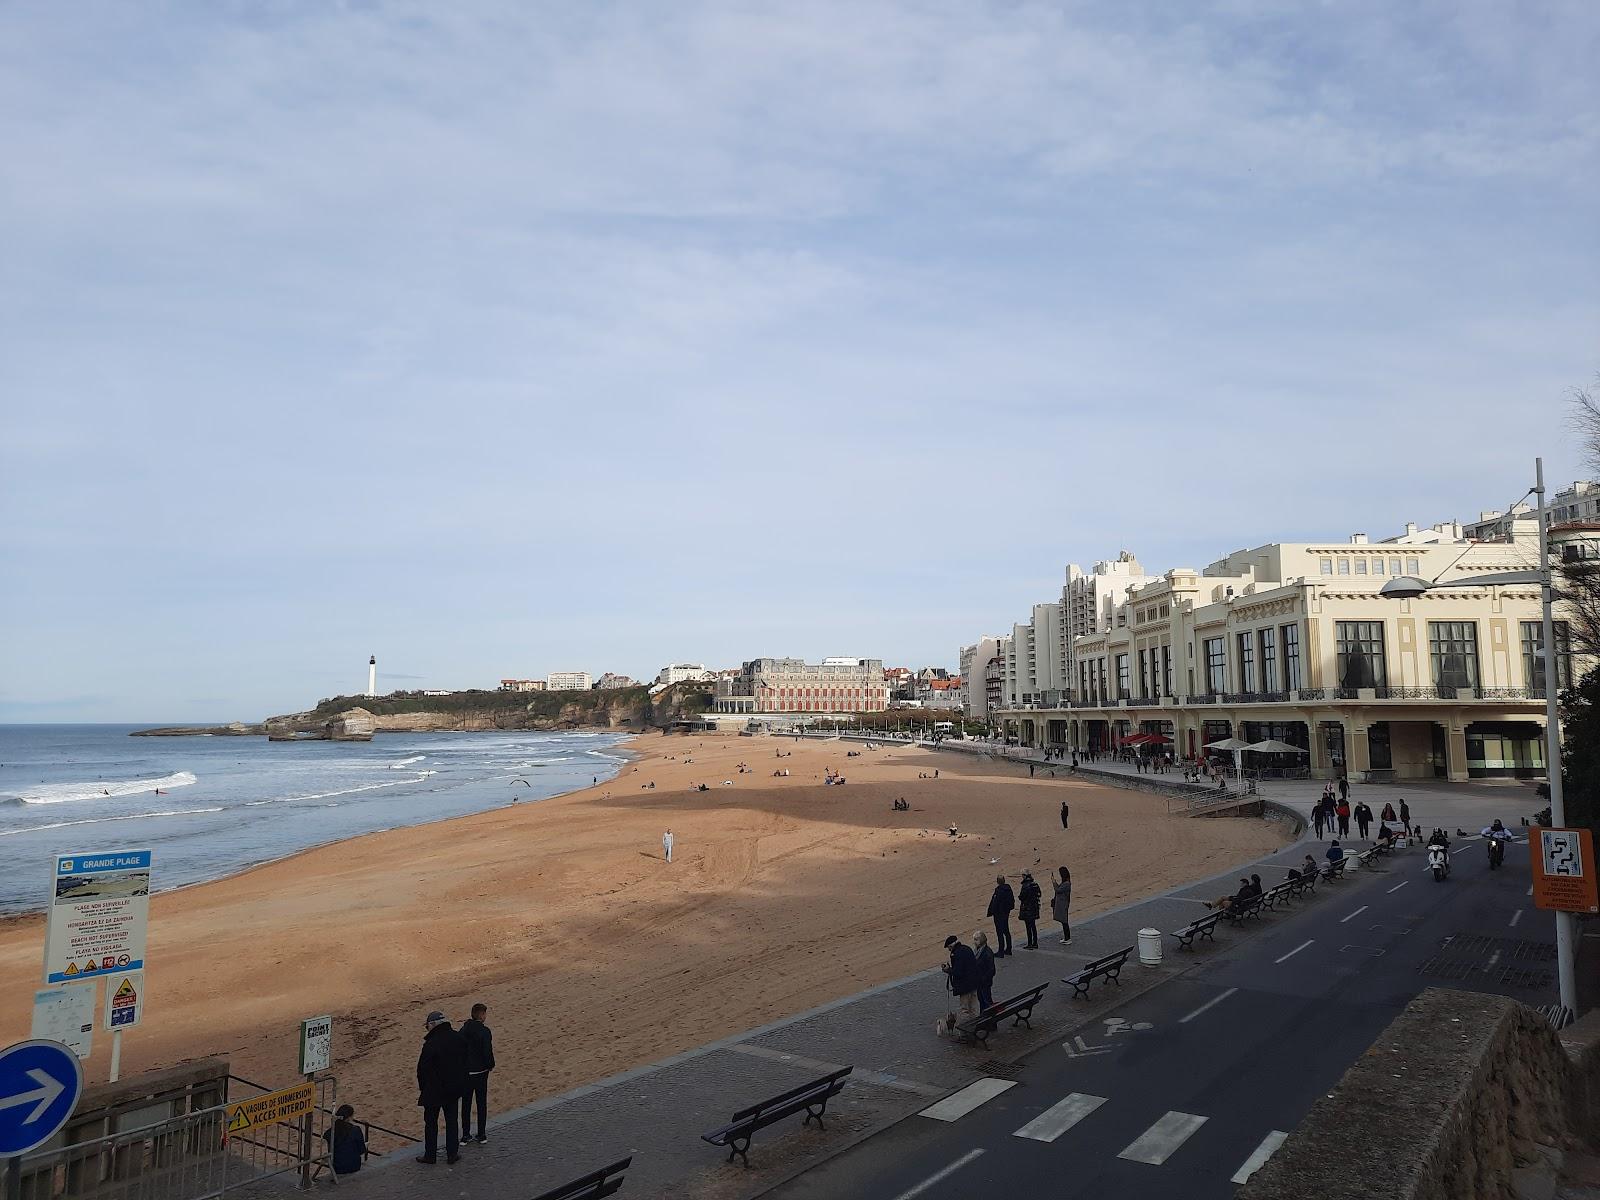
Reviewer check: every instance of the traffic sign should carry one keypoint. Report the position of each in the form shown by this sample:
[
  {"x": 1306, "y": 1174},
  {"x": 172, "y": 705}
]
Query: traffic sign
[
  {"x": 40, "y": 1083},
  {"x": 98, "y": 915},
  {"x": 283, "y": 1105},
  {"x": 1564, "y": 875},
  {"x": 124, "y": 999}
]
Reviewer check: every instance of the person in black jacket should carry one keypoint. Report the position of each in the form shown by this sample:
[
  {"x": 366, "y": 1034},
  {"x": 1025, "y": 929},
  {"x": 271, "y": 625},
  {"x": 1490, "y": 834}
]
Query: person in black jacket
[
  {"x": 441, "y": 1081},
  {"x": 962, "y": 970},
  {"x": 984, "y": 957},
  {"x": 1028, "y": 900},
  {"x": 480, "y": 1061},
  {"x": 1000, "y": 906}
]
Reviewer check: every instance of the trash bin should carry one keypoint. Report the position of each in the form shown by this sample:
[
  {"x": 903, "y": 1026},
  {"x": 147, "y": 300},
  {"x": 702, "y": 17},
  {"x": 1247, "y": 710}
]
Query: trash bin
[{"x": 1150, "y": 947}]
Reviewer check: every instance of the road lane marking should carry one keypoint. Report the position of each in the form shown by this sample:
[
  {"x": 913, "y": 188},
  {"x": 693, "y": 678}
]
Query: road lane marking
[
  {"x": 1357, "y": 913},
  {"x": 1515, "y": 917},
  {"x": 1295, "y": 951},
  {"x": 1398, "y": 886},
  {"x": 1529, "y": 892},
  {"x": 959, "y": 1104},
  {"x": 1207, "y": 1005},
  {"x": 1258, "y": 1157},
  {"x": 1060, "y": 1117},
  {"x": 939, "y": 1177},
  {"x": 1158, "y": 1143},
  {"x": 1493, "y": 958}
]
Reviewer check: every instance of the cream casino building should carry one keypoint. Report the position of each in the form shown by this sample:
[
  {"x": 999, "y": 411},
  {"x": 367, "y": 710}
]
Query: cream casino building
[
  {"x": 791, "y": 685},
  {"x": 1293, "y": 642}
]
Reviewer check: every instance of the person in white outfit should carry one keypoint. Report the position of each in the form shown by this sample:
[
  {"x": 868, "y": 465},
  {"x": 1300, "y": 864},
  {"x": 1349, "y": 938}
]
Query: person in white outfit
[{"x": 666, "y": 844}]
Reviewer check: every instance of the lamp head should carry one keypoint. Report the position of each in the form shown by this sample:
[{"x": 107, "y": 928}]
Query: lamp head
[{"x": 1403, "y": 587}]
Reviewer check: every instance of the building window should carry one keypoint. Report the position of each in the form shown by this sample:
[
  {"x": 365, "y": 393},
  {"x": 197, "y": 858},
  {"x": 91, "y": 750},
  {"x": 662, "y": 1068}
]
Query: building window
[
  {"x": 1344, "y": 566},
  {"x": 1326, "y": 564},
  {"x": 1413, "y": 567},
  {"x": 1216, "y": 666},
  {"x": 1291, "y": 657},
  {"x": 1144, "y": 673},
  {"x": 1359, "y": 647},
  {"x": 1533, "y": 655},
  {"x": 1455, "y": 654},
  {"x": 1394, "y": 566},
  {"x": 1377, "y": 566},
  {"x": 1361, "y": 566},
  {"x": 1122, "y": 677},
  {"x": 1269, "y": 659},
  {"x": 1166, "y": 670},
  {"x": 1247, "y": 662}
]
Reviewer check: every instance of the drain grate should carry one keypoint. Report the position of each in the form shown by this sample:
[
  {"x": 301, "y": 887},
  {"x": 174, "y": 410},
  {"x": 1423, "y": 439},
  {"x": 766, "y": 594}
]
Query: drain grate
[
  {"x": 1521, "y": 977},
  {"x": 1508, "y": 961},
  {"x": 1454, "y": 969},
  {"x": 1002, "y": 1070}
]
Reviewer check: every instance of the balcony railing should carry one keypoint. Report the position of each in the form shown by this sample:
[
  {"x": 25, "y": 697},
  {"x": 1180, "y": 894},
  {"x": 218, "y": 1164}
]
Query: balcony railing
[
  {"x": 1347, "y": 693},
  {"x": 1310, "y": 694},
  {"x": 1209, "y": 698},
  {"x": 1406, "y": 693},
  {"x": 1141, "y": 701},
  {"x": 1511, "y": 693}
]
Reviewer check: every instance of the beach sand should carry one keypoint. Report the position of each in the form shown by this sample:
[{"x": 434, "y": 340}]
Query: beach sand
[{"x": 595, "y": 955}]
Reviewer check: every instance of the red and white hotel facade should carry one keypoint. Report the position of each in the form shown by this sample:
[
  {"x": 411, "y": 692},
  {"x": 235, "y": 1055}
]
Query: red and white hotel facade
[{"x": 790, "y": 685}]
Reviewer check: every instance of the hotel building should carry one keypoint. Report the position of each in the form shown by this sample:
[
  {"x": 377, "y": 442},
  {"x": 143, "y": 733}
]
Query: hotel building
[{"x": 789, "y": 685}]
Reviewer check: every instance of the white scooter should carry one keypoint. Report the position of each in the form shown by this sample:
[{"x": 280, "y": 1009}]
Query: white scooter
[{"x": 1439, "y": 861}]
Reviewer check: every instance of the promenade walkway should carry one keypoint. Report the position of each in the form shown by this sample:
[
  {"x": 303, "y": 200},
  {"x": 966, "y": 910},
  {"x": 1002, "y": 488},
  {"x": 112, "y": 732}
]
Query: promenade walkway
[{"x": 658, "y": 1112}]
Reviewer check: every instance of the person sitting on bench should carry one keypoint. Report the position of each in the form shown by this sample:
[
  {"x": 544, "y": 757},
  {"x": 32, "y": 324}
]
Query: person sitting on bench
[
  {"x": 1223, "y": 903},
  {"x": 1335, "y": 852}
]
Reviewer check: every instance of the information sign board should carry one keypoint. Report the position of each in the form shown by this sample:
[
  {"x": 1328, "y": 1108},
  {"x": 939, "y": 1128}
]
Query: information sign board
[
  {"x": 65, "y": 1015},
  {"x": 1564, "y": 876},
  {"x": 284, "y": 1105},
  {"x": 316, "y": 1044},
  {"x": 98, "y": 916}
]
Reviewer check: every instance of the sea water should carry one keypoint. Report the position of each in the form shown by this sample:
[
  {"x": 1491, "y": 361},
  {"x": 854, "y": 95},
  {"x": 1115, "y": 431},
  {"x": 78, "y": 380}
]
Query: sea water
[{"x": 210, "y": 806}]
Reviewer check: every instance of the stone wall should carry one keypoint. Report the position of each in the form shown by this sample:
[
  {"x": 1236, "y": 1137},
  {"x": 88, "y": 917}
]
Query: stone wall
[{"x": 1457, "y": 1094}]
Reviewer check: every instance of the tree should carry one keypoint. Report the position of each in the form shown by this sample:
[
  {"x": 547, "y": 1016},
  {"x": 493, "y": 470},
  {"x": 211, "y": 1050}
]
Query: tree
[
  {"x": 1577, "y": 582},
  {"x": 1580, "y": 752}
]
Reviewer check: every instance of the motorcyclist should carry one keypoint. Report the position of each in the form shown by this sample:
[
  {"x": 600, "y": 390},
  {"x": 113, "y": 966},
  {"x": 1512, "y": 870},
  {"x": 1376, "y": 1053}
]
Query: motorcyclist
[
  {"x": 1438, "y": 838},
  {"x": 1498, "y": 832},
  {"x": 1439, "y": 853}
]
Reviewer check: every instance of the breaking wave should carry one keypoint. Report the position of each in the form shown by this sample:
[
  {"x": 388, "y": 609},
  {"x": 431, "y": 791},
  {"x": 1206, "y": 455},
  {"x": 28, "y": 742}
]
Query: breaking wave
[
  {"x": 61, "y": 793},
  {"x": 174, "y": 812}
]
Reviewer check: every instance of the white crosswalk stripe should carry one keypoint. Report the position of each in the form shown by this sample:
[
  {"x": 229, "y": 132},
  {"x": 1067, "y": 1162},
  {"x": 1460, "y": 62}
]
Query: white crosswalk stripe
[
  {"x": 1258, "y": 1156},
  {"x": 954, "y": 1107},
  {"x": 1162, "y": 1140},
  {"x": 1060, "y": 1117}
]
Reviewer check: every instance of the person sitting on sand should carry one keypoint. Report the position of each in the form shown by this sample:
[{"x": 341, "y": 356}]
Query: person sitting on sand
[{"x": 952, "y": 829}]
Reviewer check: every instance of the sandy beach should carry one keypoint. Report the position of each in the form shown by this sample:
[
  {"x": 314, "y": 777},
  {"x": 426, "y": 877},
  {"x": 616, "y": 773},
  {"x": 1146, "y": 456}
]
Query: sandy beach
[{"x": 593, "y": 953}]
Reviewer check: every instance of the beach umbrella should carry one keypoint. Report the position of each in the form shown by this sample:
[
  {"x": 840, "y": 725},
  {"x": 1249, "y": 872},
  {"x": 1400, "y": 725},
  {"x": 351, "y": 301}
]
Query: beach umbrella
[{"x": 1232, "y": 743}]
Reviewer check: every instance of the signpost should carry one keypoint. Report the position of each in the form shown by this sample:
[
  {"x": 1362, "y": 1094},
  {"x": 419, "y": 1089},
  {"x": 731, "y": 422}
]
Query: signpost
[
  {"x": 316, "y": 1044},
  {"x": 40, "y": 1083},
  {"x": 98, "y": 915},
  {"x": 124, "y": 1008},
  {"x": 1564, "y": 875},
  {"x": 66, "y": 1015}
]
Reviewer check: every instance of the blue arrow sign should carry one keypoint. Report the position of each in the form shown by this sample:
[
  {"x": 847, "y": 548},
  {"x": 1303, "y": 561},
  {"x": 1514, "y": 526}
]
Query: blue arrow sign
[{"x": 40, "y": 1083}]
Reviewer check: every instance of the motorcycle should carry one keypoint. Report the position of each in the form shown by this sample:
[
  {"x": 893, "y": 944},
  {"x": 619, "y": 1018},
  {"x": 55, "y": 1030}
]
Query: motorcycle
[
  {"x": 1497, "y": 852},
  {"x": 1439, "y": 860}
]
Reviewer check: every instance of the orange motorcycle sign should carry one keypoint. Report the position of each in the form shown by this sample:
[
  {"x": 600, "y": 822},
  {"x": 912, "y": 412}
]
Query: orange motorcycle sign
[{"x": 1564, "y": 870}]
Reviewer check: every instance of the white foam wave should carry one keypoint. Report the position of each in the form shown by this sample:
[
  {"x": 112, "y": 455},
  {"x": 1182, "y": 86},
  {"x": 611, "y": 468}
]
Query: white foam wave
[
  {"x": 406, "y": 762},
  {"x": 171, "y": 812},
  {"x": 61, "y": 793},
  {"x": 371, "y": 787}
]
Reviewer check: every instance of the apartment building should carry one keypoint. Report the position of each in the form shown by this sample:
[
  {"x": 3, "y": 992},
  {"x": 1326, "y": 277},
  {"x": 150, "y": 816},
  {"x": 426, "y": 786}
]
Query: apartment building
[{"x": 568, "y": 681}]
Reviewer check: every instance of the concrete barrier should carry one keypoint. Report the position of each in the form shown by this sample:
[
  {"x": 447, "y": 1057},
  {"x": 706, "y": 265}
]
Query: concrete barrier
[{"x": 1462, "y": 1097}]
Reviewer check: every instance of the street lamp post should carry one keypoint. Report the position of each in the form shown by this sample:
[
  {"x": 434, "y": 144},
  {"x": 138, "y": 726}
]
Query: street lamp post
[{"x": 1407, "y": 588}]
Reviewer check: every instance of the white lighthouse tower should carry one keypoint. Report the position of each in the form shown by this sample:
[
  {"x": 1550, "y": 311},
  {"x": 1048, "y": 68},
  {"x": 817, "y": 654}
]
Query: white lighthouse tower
[{"x": 372, "y": 677}]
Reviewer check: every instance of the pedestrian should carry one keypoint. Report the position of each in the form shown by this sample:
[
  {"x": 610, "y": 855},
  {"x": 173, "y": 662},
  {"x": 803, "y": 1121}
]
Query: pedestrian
[
  {"x": 666, "y": 844},
  {"x": 347, "y": 1145},
  {"x": 1030, "y": 770},
  {"x": 1061, "y": 902},
  {"x": 961, "y": 975},
  {"x": 1363, "y": 816},
  {"x": 1343, "y": 812},
  {"x": 1028, "y": 897},
  {"x": 1388, "y": 812},
  {"x": 441, "y": 1081},
  {"x": 1405, "y": 814},
  {"x": 480, "y": 1061},
  {"x": 1319, "y": 816},
  {"x": 1000, "y": 905},
  {"x": 1344, "y": 786},
  {"x": 1064, "y": 810},
  {"x": 984, "y": 957}
]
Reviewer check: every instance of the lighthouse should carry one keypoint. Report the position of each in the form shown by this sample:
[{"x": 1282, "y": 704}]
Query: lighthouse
[{"x": 372, "y": 677}]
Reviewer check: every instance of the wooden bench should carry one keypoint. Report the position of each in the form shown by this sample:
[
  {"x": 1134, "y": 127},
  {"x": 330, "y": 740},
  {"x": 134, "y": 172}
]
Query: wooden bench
[
  {"x": 1334, "y": 870},
  {"x": 1274, "y": 896},
  {"x": 1109, "y": 967},
  {"x": 1205, "y": 927},
  {"x": 592, "y": 1186},
  {"x": 1019, "y": 1008},
  {"x": 811, "y": 1098},
  {"x": 1299, "y": 886},
  {"x": 1244, "y": 910},
  {"x": 1366, "y": 856}
]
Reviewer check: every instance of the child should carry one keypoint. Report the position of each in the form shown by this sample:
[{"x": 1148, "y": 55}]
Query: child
[{"x": 348, "y": 1143}]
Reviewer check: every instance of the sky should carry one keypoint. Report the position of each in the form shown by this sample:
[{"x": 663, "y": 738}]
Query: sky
[{"x": 495, "y": 339}]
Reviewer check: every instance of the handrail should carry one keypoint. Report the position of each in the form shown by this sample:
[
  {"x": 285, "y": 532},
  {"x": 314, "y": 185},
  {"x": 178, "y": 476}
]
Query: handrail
[{"x": 408, "y": 1139}]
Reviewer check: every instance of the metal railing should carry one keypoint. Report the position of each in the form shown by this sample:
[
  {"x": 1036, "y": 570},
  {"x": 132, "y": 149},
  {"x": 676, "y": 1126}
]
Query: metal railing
[
  {"x": 1206, "y": 698},
  {"x": 278, "y": 1147},
  {"x": 1310, "y": 693},
  {"x": 368, "y": 1128},
  {"x": 181, "y": 1158}
]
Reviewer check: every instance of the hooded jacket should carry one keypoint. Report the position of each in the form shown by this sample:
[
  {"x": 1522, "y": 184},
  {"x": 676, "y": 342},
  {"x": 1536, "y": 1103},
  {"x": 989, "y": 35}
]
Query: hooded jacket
[{"x": 1028, "y": 900}]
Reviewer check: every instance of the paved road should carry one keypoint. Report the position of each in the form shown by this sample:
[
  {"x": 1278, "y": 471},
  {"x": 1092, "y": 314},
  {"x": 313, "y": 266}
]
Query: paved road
[{"x": 1180, "y": 1091}]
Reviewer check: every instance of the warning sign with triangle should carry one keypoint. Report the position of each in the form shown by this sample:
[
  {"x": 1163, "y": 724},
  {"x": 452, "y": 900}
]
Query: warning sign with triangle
[
  {"x": 241, "y": 1120},
  {"x": 72, "y": 969},
  {"x": 125, "y": 992}
]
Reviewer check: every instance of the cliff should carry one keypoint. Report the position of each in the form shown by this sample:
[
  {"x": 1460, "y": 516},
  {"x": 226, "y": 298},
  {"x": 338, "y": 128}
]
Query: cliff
[{"x": 412, "y": 712}]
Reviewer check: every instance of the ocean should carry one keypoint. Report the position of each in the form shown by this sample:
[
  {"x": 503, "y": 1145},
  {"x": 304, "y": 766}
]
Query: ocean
[{"x": 226, "y": 803}]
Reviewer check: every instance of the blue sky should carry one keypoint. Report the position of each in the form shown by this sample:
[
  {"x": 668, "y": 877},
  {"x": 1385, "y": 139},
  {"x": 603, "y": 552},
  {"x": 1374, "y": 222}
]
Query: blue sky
[{"x": 504, "y": 338}]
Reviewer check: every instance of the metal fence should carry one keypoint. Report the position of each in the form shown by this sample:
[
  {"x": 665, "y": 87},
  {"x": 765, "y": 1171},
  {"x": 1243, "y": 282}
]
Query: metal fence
[
  {"x": 279, "y": 1147},
  {"x": 182, "y": 1158}
]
